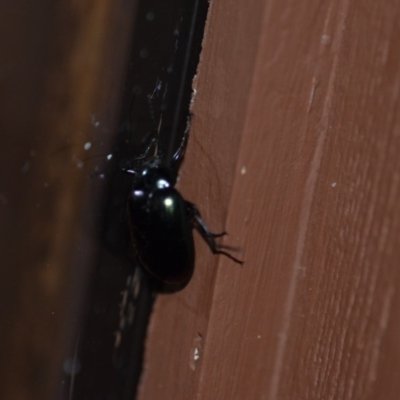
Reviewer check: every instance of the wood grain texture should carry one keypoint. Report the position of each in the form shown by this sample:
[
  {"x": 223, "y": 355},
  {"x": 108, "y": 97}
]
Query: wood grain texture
[
  {"x": 310, "y": 91},
  {"x": 61, "y": 67},
  {"x": 181, "y": 320}
]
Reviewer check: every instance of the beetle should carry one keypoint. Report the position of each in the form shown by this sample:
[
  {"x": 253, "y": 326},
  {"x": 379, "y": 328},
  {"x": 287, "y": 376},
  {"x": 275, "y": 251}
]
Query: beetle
[{"x": 161, "y": 223}]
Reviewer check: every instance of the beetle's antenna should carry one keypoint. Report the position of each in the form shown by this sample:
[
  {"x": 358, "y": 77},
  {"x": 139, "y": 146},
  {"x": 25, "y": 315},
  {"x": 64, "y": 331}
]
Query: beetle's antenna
[
  {"x": 157, "y": 147},
  {"x": 150, "y": 97},
  {"x": 145, "y": 154}
]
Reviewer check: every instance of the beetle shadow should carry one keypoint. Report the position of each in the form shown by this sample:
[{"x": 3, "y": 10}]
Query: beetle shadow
[
  {"x": 158, "y": 287},
  {"x": 168, "y": 288}
]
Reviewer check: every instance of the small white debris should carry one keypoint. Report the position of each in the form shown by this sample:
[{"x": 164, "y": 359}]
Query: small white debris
[
  {"x": 333, "y": 184},
  {"x": 258, "y": 336},
  {"x": 95, "y": 123},
  {"x": 243, "y": 170},
  {"x": 87, "y": 146},
  {"x": 195, "y": 359},
  {"x": 150, "y": 16},
  {"x": 196, "y": 352},
  {"x": 71, "y": 366},
  {"x": 325, "y": 39},
  {"x": 109, "y": 157}
]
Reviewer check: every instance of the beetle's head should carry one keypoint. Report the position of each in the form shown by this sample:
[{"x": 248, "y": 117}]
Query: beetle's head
[{"x": 155, "y": 174}]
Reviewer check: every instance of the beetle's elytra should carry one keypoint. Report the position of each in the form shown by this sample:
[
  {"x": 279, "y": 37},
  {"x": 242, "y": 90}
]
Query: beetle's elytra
[{"x": 161, "y": 231}]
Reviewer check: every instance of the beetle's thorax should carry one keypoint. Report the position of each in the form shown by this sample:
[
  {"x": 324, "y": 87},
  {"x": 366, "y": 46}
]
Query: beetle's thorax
[{"x": 155, "y": 176}]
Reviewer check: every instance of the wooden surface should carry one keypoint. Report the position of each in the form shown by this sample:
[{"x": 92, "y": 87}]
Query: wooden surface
[
  {"x": 295, "y": 151},
  {"x": 60, "y": 75}
]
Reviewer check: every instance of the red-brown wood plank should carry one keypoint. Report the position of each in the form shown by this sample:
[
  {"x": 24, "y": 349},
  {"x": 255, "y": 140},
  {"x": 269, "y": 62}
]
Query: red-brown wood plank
[
  {"x": 310, "y": 91},
  {"x": 223, "y": 83}
]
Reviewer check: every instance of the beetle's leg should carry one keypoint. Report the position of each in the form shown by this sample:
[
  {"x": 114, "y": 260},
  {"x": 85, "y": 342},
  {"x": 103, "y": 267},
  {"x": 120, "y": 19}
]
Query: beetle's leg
[
  {"x": 130, "y": 169},
  {"x": 178, "y": 155},
  {"x": 217, "y": 235},
  {"x": 209, "y": 237},
  {"x": 153, "y": 142}
]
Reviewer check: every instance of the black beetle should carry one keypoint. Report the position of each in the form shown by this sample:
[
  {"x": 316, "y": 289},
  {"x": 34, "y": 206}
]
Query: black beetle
[{"x": 161, "y": 224}]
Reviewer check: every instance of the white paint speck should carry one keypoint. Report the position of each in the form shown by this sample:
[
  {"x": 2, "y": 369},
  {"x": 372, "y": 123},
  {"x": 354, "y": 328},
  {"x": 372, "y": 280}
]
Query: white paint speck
[
  {"x": 87, "y": 146},
  {"x": 243, "y": 170},
  {"x": 95, "y": 123},
  {"x": 197, "y": 348},
  {"x": 109, "y": 157},
  {"x": 333, "y": 184},
  {"x": 325, "y": 39},
  {"x": 194, "y": 93},
  {"x": 258, "y": 336}
]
